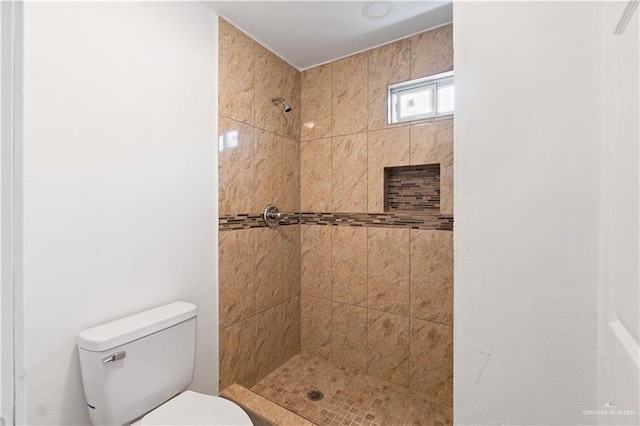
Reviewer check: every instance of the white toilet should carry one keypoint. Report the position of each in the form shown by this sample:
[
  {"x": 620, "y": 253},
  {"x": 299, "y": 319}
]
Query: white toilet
[{"x": 140, "y": 365}]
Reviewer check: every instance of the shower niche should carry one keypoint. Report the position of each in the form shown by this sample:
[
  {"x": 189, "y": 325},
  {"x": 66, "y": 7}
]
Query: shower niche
[{"x": 412, "y": 188}]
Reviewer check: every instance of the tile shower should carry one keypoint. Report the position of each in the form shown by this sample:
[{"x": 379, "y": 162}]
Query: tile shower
[
  {"x": 342, "y": 283},
  {"x": 259, "y": 163}
]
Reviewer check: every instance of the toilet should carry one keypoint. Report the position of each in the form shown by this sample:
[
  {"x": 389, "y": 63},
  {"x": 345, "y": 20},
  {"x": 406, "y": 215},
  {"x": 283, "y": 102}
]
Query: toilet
[{"x": 135, "y": 371}]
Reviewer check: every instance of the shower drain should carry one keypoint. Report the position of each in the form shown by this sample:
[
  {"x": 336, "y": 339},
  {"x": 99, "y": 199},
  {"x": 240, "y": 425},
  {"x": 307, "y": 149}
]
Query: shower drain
[{"x": 315, "y": 395}]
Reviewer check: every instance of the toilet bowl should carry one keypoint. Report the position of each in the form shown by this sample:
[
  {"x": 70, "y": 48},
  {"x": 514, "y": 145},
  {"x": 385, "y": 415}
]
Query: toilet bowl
[
  {"x": 138, "y": 368},
  {"x": 193, "y": 408}
]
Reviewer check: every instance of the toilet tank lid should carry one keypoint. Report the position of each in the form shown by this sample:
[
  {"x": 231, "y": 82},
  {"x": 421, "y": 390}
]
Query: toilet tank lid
[{"x": 133, "y": 327}]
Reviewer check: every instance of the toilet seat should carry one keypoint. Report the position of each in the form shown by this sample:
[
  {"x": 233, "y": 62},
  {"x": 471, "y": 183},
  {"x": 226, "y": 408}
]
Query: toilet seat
[{"x": 193, "y": 408}]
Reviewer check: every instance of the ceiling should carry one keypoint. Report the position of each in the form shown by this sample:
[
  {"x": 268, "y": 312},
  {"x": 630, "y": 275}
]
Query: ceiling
[{"x": 310, "y": 33}]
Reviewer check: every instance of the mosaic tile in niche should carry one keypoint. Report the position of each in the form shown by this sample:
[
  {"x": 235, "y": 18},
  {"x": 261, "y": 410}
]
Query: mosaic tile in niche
[{"x": 412, "y": 188}]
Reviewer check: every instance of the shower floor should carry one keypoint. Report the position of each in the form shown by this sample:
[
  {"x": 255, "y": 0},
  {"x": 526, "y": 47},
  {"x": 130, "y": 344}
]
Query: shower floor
[{"x": 349, "y": 398}]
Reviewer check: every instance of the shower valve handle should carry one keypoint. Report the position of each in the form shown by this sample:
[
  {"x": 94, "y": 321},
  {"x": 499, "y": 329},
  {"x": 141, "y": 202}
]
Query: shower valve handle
[{"x": 271, "y": 216}]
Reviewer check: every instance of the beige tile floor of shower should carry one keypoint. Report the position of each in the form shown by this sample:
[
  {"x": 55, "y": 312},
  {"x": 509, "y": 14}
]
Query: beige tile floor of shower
[{"x": 349, "y": 398}]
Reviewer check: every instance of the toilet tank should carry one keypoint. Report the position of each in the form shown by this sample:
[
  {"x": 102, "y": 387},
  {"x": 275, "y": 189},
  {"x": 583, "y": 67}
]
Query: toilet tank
[{"x": 134, "y": 364}]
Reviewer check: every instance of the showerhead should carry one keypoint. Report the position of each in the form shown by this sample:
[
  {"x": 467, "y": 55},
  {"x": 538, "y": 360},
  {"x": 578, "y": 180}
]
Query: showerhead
[{"x": 286, "y": 106}]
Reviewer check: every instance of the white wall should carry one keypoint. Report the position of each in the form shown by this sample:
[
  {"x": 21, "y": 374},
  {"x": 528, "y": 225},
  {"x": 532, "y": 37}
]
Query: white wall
[
  {"x": 10, "y": 311},
  {"x": 619, "y": 297},
  {"x": 527, "y": 196},
  {"x": 120, "y": 175},
  {"x": 3, "y": 104}
]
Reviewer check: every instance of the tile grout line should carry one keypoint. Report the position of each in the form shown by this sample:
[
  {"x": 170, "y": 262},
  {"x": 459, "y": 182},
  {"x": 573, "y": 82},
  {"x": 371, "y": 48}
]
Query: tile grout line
[
  {"x": 387, "y": 127},
  {"x": 255, "y": 133},
  {"x": 298, "y": 289},
  {"x": 255, "y": 288},
  {"x": 331, "y": 206},
  {"x": 381, "y": 311},
  {"x": 410, "y": 231},
  {"x": 255, "y": 314},
  {"x": 346, "y": 303},
  {"x": 281, "y": 232},
  {"x": 367, "y": 231},
  {"x": 410, "y": 299},
  {"x": 368, "y": 309},
  {"x": 280, "y": 114}
]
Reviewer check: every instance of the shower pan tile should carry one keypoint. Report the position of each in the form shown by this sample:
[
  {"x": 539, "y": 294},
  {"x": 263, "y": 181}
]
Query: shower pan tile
[
  {"x": 388, "y": 64},
  {"x": 349, "y": 398},
  {"x": 427, "y": 411}
]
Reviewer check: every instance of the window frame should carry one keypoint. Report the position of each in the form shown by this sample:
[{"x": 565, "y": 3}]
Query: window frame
[{"x": 393, "y": 89}]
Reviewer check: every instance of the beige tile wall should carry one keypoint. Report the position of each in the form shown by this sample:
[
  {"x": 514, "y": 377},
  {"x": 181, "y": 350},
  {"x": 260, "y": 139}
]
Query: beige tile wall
[
  {"x": 376, "y": 300},
  {"x": 259, "y": 163},
  {"x": 346, "y": 141},
  {"x": 380, "y": 301}
]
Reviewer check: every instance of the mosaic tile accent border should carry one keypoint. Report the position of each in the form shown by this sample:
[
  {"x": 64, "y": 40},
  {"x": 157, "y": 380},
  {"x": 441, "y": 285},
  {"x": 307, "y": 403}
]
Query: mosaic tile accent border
[
  {"x": 248, "y": 220},
  {"x": 413, "y": 220}
]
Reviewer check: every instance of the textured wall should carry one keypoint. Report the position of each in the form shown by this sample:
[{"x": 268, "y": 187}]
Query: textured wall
[
  {"x": 619, "y": 317},
  {"x": 375, "y": 299},
  {"x": 527, "y": 197},
  {"x": 259, "y": 154}
]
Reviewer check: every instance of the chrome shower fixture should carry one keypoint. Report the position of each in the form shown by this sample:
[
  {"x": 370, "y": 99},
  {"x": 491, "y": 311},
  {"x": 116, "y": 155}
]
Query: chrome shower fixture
[
  {"x": 287, "y": 107},
  {"x": 271, "y": 216}
]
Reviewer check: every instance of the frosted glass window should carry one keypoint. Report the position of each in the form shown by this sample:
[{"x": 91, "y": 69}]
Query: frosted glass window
[
  {"x": 427, "y": 97},
  {"x": 446, "y": 96}
]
